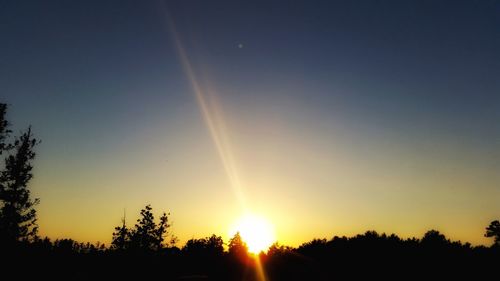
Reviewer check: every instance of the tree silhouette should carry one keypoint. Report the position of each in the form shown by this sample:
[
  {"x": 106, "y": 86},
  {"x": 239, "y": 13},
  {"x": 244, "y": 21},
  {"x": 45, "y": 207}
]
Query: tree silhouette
[
  {"x": 146, "y": 234},
  {"x": 162, "y": 231},
  {"x": 277, "y": 249},
  {"x": 121, "y": 237},
  {"x": 215, "y": 244},
  {"x": 210, "y": 246},
  {"x": 237, "y": 247},
  {"x": 17, "y": 213},
  {"x": 433, "y": 238},
  {"x": 493, "y": 230}
]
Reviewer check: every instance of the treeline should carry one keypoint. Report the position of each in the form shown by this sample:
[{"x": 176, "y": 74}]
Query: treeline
[
  {"x": 148, "y": 250},
  {"x": 368, "y": 255}
]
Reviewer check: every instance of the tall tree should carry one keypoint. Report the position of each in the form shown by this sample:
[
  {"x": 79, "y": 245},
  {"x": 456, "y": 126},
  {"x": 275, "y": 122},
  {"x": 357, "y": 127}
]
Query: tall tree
[{"x": 17, "y": 212}]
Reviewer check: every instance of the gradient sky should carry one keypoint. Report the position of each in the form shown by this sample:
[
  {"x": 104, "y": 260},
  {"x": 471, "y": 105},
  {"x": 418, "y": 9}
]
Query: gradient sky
[{"x": 335, "y": 116}]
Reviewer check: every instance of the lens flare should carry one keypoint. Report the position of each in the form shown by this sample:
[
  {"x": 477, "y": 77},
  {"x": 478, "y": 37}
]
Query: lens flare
[{"x": 212, "y": 116}]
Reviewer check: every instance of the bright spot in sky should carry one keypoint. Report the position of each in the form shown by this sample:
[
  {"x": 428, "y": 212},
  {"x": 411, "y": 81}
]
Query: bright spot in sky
[
  {"x": 240, "y": 45},
  {"x": 256, "y": 232}
]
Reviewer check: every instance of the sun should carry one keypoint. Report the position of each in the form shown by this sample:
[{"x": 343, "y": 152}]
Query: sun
[{"x": 256, "y": 232}]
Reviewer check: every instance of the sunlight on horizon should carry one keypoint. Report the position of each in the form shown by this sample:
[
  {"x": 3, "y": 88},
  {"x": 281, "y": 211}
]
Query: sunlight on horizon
[{"x": 256, "y": 232}]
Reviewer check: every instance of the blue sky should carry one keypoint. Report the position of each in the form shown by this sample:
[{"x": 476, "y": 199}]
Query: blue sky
[{"x": 371, "y": 103}]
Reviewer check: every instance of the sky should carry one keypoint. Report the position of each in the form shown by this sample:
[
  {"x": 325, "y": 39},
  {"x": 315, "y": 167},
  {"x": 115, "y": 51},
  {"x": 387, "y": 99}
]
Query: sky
[{"x": 325, "y": 117}]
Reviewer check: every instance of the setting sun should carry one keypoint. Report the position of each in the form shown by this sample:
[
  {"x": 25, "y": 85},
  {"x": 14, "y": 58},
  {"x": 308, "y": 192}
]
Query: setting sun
[{"x": 256, "y": 232}]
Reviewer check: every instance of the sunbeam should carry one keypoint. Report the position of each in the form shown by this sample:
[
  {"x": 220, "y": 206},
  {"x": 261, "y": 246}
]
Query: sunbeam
[{"x": 212, "y": 115}]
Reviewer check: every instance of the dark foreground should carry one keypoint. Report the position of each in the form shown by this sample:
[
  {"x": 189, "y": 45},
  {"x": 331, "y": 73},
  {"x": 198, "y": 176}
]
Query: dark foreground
[{"x": 365, "y": 256}]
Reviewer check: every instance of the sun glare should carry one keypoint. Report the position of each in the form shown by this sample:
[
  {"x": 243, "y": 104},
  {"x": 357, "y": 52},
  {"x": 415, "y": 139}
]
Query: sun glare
[{"x": 256, "y": 232}]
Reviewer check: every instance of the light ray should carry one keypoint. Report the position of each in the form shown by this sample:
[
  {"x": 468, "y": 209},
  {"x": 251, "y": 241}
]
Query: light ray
[
  {"x": 261, "y": 274},
  {"x": 212, "y": 116}
]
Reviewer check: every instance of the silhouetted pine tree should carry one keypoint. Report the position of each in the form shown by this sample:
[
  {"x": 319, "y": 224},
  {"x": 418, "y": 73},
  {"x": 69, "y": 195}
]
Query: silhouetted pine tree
[{"x": 17, "y": 213}]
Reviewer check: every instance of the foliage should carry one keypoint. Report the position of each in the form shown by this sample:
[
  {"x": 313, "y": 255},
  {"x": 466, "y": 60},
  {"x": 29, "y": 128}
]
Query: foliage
[
  {"x": 368, "y": 255},
  {"x": 237, "y": 247},
  {"x": 434, "y": 238},
  {"x": 17, "y": 212},
  {"x": 146, "y": 234},
  {"x": 210, "y": 246},
  {"x": 121, "y": 237},
  {"x": 493, "y": 230}
]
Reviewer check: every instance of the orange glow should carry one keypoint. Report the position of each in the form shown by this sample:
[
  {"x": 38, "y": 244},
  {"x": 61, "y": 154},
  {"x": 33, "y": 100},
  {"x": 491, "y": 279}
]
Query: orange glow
[{"x": 256, "y": 232}]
